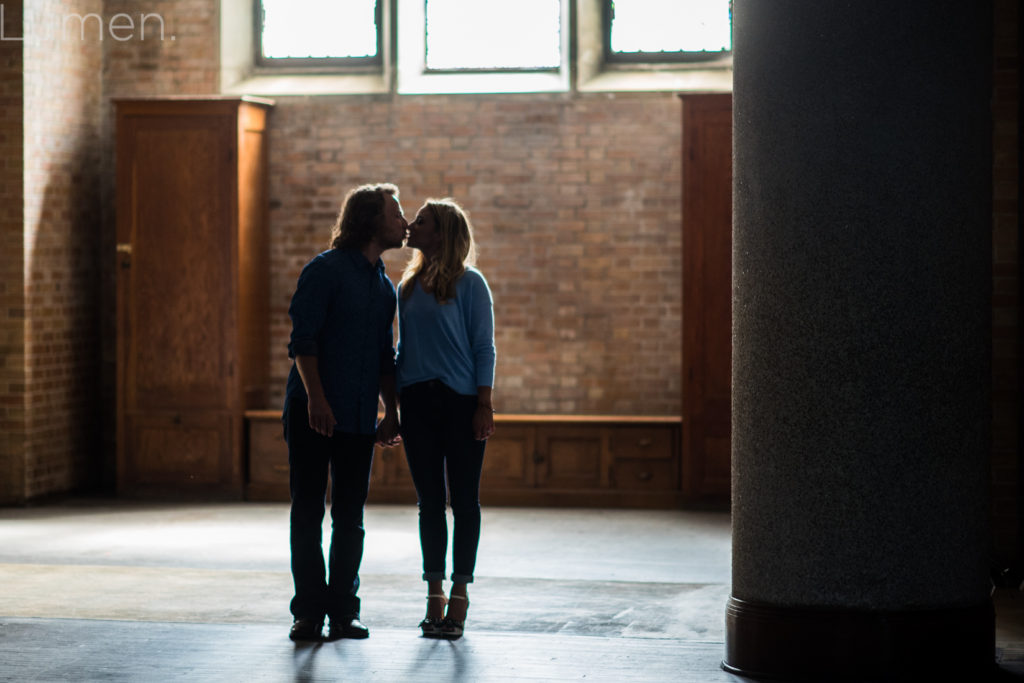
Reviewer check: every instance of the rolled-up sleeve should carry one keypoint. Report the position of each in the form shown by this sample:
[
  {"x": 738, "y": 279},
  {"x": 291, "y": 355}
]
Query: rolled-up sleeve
[
  {"x": 481, "y": 332},
  {"x": 308, "y": 310}
]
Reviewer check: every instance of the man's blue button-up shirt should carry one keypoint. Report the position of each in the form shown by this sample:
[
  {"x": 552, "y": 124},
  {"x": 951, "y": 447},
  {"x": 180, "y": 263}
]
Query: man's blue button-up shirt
[{"x": 342, "y": 313}]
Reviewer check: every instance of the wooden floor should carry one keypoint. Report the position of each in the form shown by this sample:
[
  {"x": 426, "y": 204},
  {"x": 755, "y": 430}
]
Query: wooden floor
[{"x": 111, "y": 591}]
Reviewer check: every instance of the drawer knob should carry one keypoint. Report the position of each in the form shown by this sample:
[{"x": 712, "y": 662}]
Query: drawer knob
[
  {"x": 644, "y": 476},
  {"x": 645, "y": 442}
]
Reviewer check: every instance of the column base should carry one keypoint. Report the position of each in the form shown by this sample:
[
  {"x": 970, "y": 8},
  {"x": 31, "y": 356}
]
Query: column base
[{"x": 803, "y": 643}]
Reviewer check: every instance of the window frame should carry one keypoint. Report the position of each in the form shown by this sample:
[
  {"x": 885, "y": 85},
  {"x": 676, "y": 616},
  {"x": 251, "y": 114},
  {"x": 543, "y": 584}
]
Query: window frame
[
  {"x": 613, "y": 59},
  {"x": 370, "y": 64}
]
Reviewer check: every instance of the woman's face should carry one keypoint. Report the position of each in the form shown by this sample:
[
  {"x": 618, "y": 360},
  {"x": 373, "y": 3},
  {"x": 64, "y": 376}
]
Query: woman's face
[{"x": 423, "y": 233}]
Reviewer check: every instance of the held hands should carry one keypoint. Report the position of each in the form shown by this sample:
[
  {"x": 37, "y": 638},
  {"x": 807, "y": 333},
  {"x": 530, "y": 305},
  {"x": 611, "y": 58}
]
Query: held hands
[
  {"x": 387, "y": 431},
  {"x": 483, "y": 422},
  {"x": 321, "y": 418}
]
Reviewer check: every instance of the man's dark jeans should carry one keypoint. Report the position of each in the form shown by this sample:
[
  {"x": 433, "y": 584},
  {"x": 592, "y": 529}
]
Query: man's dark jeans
[
  {"x": 348, "y": 457},
  {"x": 437, "y": 432}
]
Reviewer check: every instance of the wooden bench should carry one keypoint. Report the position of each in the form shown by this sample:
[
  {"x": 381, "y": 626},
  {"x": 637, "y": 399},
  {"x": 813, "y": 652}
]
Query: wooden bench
[{"x": 534, "y": 460}]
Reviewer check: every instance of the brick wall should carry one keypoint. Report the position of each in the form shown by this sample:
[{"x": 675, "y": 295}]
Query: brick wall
[
  {"x": 62, "y": 101},
  {"x": 1006, "y": 380},
  {"x": 12, "y": 290},
  {"x": 174, "y": 49},
  {"x": 575, "y": 203}
]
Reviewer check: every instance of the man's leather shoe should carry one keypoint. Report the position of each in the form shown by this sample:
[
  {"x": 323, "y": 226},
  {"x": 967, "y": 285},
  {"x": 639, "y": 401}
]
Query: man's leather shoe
[
  {"x": 307, "y": 629},
  {"x": 347, "y": 627}
]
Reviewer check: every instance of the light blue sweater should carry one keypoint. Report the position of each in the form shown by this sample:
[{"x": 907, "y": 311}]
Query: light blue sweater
[{"x": 452, "y": 342}]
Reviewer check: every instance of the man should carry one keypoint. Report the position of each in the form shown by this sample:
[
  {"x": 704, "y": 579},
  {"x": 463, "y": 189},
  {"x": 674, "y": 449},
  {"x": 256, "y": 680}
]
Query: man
[{"x": 342, "y": 343}]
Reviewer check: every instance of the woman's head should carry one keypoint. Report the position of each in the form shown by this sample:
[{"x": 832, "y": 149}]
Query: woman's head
[
  {"x": 442, "y": 232},
  {"x": 362, "y": 214},
  {"x": 443, "y": 238}
]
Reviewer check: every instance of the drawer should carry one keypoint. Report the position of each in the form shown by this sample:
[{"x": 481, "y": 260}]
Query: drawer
[
  {"x": 644, "y": 475},
  {"x": 642, "y": 442}
]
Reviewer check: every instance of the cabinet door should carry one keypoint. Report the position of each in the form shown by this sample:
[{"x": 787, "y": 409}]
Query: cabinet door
[
  {"x": 509, "y": 459},
  {"x": 572, "y": 457},
  {"x": 707, "y": 295}
]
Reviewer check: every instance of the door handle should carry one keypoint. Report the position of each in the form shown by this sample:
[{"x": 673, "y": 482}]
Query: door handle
[{"x": 125, "y": 251}]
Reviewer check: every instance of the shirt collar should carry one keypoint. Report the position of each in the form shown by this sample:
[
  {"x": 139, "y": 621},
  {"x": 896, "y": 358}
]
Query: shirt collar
[{"x": 357, "y": 257}]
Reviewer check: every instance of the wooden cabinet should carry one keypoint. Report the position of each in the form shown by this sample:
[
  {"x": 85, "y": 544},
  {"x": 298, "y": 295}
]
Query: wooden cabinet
[
  {"x": 531, "y": 460},
  {"x": 192, "y": 298},
  {"x": 707, "y": 296}
]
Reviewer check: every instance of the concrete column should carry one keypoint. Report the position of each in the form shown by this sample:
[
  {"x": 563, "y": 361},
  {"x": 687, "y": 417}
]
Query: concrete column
[{"x": 861, "y": 338}]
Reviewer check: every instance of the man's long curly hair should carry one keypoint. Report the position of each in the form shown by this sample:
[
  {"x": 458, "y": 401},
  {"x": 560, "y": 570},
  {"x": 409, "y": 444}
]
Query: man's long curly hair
[{"x": 360, "y": 215}]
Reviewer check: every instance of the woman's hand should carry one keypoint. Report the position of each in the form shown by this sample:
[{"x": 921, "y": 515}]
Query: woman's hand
[{"x": 483, "y": 422}]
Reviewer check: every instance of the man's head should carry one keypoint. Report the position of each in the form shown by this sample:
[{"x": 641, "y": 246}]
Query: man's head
[{"x": 369, "y": 213}]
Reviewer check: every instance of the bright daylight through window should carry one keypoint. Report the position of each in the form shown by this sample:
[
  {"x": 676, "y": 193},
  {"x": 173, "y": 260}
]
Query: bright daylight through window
[
  {"x": 322, "y": 29},
  {"x": 490, "y": 35},
  {"x": 493, "y": 34},
  {"x": 671, "y": 26}
]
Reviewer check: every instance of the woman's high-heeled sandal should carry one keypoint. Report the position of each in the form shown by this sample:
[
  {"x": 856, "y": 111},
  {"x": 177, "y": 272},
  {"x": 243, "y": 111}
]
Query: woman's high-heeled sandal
[
  {"x": 450, "y": 628},
  {"x": 431, "y": 626}
]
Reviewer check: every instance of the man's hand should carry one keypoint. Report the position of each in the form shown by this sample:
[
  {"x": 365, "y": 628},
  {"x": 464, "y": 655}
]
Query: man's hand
[
  {"x": 321, "y": 418},
  {"x": 387, "y": 431}
]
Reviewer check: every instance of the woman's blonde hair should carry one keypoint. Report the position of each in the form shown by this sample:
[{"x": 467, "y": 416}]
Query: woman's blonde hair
[{"x": 458, "y": 252}]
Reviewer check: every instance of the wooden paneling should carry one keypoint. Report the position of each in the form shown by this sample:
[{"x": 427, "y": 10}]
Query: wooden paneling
[
  {"x": 707, "y": 295},
  {"x": 509, "y": 458},
  {"x": 571, "y": 458},
  {"x": 267, "y": 460},
  {"x": 192, "y": 311},
  {"x": 531, "y": 460},
  {"x": 180, "y": 311},
  {"x": 175, "y": 450}
]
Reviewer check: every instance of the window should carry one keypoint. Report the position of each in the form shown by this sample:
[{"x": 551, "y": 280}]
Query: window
[
  {"x": 483, "y": 46},
  {"x": 329, "y": 33},
  {"x": 493, "y": 35},
  {"x": 667, "y": 30},
  {"x": 309, "y": 47}
]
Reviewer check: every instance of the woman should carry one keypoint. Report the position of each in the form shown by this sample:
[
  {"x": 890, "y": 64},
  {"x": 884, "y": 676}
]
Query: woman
[{"x": 445, "y": 374}]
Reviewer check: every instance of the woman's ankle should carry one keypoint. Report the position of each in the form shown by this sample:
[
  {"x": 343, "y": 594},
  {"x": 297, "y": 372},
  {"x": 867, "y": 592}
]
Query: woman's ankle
[
  {"x": 458, "y": 603},
  {"x": 436, "y": 601}
]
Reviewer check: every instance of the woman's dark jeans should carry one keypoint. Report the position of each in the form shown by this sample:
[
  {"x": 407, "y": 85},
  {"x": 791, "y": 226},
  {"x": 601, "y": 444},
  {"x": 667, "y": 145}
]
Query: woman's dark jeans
[
  {"x": 310, "y": 456},
  {"x": 437, "y": 432}
]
